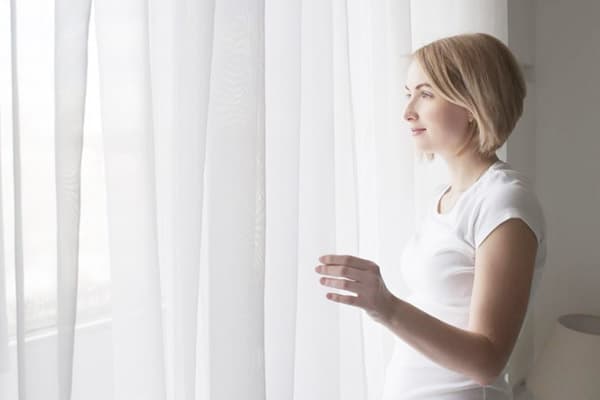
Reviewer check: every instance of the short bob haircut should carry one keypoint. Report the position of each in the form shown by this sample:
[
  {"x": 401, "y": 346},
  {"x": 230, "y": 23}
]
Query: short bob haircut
[{"x": 478, "y": 72}]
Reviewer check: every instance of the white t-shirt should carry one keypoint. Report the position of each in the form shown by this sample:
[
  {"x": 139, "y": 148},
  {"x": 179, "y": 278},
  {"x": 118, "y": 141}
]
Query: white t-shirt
[{"x": 438, "y": 266}]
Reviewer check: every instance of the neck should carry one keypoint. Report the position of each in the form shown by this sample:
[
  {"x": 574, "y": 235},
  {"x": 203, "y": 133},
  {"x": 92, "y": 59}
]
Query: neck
[{"x": 466, "y": 169}]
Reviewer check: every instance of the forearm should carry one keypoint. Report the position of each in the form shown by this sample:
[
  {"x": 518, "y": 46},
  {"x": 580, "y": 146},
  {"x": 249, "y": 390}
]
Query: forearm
[{"x": 465, "y": 352}]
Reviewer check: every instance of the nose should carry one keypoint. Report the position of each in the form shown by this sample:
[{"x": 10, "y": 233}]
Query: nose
[{"x": 409, "y": 112}]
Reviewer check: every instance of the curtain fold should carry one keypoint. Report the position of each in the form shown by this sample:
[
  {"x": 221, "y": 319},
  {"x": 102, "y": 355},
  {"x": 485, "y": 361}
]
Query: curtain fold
[
  {"x": 123, "y": 54},
  {"x": 4, "y": 357},
  {"x": 283, "y": 31},
  {"x": 316, "y": 205},
  {"x": 181, "y": 73},
  {"x": 346, "y": 232},
  {"x": 241, "y": 141},
  {"x": 71, "y": 34},
  {"x": 19, "y": 276},
  {"x": 235, "y": 197},
  {"x": 3, "y": 317}
]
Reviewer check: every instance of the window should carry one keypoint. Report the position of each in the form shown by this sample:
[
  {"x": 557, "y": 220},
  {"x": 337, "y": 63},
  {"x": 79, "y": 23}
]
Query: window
[{"x": 36, "y": 96}]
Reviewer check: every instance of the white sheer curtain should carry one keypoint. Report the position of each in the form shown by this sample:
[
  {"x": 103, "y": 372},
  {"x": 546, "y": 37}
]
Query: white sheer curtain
[{"x": 171, "y": 172}]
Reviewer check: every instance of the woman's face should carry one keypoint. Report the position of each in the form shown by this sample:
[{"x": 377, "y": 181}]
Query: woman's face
[{"x": 436, "y": 125}]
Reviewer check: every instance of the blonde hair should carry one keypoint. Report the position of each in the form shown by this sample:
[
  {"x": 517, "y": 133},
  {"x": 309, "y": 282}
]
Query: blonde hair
[{"x": 478, "y": 72}]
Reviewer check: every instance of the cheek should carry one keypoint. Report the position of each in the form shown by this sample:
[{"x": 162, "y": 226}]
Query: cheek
[{"x": 449, "y": 119}]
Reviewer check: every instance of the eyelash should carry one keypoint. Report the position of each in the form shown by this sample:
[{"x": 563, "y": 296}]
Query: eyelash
[{"x": 423, "y": 94}]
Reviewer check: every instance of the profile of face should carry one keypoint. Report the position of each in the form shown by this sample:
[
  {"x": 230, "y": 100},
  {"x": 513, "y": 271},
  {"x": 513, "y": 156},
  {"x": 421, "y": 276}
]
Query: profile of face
[{"x": 446, "y": 125}]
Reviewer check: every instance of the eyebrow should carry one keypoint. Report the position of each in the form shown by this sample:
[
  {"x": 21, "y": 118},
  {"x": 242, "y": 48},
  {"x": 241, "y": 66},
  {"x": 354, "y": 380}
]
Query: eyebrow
[{"x": 419, "y": 85}]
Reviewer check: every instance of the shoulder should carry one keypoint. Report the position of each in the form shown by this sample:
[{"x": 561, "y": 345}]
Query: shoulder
[
  {"x": 508, "y": 189},
  {"x": 507, "y": 194}
]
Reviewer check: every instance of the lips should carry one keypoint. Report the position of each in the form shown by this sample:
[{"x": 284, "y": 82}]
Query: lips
[{"x": 417, "y": 131}]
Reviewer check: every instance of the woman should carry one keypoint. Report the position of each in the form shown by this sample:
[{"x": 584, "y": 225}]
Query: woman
[{"x": 472, "y": 262}]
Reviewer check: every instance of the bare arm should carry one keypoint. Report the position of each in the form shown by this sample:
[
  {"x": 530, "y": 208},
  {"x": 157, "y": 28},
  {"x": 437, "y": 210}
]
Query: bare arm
[{"x": 503, "y": 274}]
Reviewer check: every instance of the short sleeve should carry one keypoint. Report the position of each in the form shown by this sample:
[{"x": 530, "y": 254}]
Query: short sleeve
[{"x": 504, "y": 203}]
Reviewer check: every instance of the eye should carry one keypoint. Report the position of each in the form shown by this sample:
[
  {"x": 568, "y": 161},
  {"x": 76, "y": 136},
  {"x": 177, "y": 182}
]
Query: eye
[{"x": 423, "y": 95}]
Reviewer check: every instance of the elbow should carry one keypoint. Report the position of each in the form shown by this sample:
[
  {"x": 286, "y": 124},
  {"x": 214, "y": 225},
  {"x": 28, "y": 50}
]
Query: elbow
[
  {"x": 491, "y": 367},
  {"x": 489, "y": 375},
  {"x": 485, "y": 380}
]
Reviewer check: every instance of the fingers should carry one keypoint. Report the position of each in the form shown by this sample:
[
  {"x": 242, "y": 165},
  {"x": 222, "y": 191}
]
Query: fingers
[
  {"x": 351, "y": 261},
  {"x": 343, "y": 284},
  {"x": 342, "y": 271},
  {"x": 350, "y": 300}
]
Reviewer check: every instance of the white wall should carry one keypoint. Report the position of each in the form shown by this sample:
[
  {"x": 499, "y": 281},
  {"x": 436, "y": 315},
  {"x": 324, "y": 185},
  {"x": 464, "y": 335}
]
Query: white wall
[{"x": 567, "y": 142}]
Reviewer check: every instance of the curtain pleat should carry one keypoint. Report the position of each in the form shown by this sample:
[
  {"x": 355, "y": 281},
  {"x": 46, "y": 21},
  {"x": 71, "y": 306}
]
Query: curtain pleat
[
  {"x": 18, "y": 219},
  {"x": 186, "y": 132},
  {"x": 352, "y": 333},
  {"x": 282, "y": 89},
  {"x": 4, "y": 361},
  {"x": 316, "y": 373},
  {"x": 124, "y": 67},
  {"x": 235, "y": 203},
  {"x": 71, "y": 36}
]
